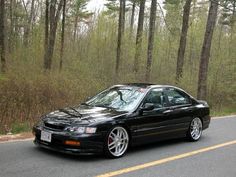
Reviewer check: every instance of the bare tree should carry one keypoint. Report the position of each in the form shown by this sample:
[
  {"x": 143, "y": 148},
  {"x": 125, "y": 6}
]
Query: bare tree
[
  {"x": 121, "y": 28},
  {"x": 54, "y": 13},
  {"x": 11, "y": 26},
  {"x": 29, "y": 23},
  {"x": 46, "y": 31},
  {"x": 206, "y": 48},
  {"x": 62, "y": 33},
  {"x": 183, "y": 39},
  {"x": 132, "y": 17},
  {"x": 152, "y": 22},
  {"x": 2, "y": 36},
  {"x": 80, "y": 13},
  {"x": 139, "y": 35}
]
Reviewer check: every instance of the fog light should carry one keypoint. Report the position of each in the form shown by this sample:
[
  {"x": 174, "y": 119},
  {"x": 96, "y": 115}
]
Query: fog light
[{"x": 72, "y": 143}]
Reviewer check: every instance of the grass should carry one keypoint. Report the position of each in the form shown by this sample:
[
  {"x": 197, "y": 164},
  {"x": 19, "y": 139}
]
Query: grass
[
  {"x": 224, "y": 112},
  {"x": 21, "y": 127}
]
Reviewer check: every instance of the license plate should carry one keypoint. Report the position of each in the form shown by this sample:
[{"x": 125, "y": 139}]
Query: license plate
[{"x": 46, "y": 136}]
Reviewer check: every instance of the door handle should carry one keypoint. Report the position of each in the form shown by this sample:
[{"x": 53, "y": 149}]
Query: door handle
[
  {"x": 168, "y": 111},
  {"x": 189, "y": 110}
]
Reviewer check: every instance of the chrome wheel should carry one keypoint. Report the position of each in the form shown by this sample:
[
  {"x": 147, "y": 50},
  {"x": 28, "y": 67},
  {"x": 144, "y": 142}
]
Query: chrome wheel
[
  {"x": 196, "y": 129},
  {"x": 118, "y": 141}
]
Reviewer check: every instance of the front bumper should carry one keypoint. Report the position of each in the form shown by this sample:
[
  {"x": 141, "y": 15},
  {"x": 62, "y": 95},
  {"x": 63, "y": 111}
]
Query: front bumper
[{"x": 89, "y": 143}]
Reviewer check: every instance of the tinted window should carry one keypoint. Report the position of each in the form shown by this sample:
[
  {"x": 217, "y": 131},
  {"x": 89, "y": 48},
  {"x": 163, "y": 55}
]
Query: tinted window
[
  {"x": 176, "y": 97},
  {"x": 156, "y": 97}
]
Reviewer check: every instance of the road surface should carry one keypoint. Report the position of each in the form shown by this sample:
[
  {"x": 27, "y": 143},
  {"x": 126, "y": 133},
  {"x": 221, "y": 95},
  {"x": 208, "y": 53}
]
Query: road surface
[{"x": 214, "y": 155}]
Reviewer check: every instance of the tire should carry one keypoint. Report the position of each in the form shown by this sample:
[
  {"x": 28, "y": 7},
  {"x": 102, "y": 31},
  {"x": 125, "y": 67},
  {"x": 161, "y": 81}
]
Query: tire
[
  {"x": 116, "y": 142},
  {"x": 195, "y": 129}
]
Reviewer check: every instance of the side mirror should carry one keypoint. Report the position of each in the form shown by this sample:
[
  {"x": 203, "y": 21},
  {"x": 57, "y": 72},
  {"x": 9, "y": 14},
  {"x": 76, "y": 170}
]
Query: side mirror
[{"x": 147, "y": 107}]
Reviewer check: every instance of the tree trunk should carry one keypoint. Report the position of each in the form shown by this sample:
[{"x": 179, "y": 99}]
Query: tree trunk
[
  {"x": 139, "y": 35},
  {"x": 205, "y": 53},
  {"x": 132, "y": 18},
  {"x": 62, "y": 34},
  {"x": 123, "y": 16},
  {"x": 29, "y": 24},
  {"x": 46, "y": 31},
  {"x": 2, "y": 36},
  {"x": 183, "y": 39},
  {"x": 232, "y": 33},
  {"x": 121, "y": 27},
  {"x": 53, "y": 20},
  {"x": 75, "y": 27},
  {"x": 152, "y": 22},
  {"x": 11, "y": 31}
]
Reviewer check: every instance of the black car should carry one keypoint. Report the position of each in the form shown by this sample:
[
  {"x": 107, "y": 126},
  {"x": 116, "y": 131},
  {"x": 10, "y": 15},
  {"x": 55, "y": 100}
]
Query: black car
[{"x": 121, "y": 116}]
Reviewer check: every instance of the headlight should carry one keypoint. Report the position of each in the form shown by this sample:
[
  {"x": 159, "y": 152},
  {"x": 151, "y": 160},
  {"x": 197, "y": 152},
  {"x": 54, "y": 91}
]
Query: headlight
[
  {"x": 81, "y": 130},
  {"x": 90, "y": 130}
]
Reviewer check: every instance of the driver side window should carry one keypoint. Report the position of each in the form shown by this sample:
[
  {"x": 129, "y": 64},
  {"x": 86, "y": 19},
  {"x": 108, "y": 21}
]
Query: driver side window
[{"x": 156, "y": 97}]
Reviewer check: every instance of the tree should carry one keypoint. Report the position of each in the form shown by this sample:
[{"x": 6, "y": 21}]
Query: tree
[
  {"x": 2, "y": 36},
  {"x": 206, "y": 48},
  {"x": 139, "y": 35},
  {"x": 121, "y": 28},
  {"x": 183, "y": 39},
  {"x": 62, "y": 34},
  {"x": 29, "y": 23},
  {"x": 173, "y": 12},
  {"x": 80, "y": 13},
  {"x": 152, "y": 22},
  {"x": 132, "y": 16},
  {"x": 46, "y": 31},
  {"x": 112, "y": 7},
  {"x": 54, "y": 13},
  {"x": 11, "y": 31}
]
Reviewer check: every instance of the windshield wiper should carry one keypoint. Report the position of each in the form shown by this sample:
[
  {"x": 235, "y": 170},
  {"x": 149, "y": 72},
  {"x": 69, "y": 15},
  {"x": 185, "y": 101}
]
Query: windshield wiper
[
  {"x": 76, "y": 111},
  {"x": 68, "y": 112},
  {"x": 86, "y": 104}
]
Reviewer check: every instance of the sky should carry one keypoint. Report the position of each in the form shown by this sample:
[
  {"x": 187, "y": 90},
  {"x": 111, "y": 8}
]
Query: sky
[{"x": 96, "y": 5}]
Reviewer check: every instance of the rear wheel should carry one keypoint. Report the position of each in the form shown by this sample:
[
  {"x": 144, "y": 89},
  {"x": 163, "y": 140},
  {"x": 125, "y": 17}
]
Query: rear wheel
[
  {"x": 117, "y": 142},
  {"x": 195, "y": 129}
]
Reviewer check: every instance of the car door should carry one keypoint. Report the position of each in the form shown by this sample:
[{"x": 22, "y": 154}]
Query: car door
[
  {"x": 147, "y": 125},
  {"x": 179, "y": 109}
]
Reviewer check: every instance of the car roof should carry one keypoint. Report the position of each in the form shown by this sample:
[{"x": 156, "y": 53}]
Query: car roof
[
  {"x": 150, "y": 86},
  {"x": 145, "y": 85}
]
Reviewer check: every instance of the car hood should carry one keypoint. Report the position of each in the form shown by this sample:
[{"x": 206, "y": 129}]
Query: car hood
[{"x": 82, "y": 115}]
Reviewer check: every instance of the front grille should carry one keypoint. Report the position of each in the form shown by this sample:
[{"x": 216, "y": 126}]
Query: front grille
[{"x": 54, "y": 126}]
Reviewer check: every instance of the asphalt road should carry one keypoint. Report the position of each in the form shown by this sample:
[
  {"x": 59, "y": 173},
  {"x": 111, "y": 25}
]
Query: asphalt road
[{"x": 214, "y": 155}]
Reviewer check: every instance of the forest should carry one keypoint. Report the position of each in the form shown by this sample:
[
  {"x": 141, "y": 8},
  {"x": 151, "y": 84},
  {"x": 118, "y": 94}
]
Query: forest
[{"x": 56, "y": 53}]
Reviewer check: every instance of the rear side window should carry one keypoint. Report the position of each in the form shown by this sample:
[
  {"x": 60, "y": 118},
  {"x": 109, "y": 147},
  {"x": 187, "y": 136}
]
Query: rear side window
[{"x": 176, "y": 97}]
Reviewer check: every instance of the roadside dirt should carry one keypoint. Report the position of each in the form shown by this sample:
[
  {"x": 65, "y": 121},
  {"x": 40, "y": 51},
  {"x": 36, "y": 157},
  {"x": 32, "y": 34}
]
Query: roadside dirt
[{"x": 21, "y": 136}]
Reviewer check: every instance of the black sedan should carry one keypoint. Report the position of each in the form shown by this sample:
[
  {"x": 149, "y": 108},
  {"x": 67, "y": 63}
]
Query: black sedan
[{"x": 122, "y": 116}]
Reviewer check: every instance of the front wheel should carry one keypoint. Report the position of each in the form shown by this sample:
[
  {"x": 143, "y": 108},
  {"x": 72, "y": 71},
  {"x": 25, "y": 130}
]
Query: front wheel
[
  {"x": 116, "y": 143},
  {"x": 195, "y": 129}
]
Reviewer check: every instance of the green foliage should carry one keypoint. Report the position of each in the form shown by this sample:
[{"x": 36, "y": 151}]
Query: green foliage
[
  {"x": 173, "y": 15},
  {"x": 79, "y": 8},
  {"x": 228, "y": 14},
  {"x": 20, "y": 127}
]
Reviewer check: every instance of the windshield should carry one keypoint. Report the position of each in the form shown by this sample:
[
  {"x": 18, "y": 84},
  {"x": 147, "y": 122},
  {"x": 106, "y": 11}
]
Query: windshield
[{"x": 120, "y": 98}]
